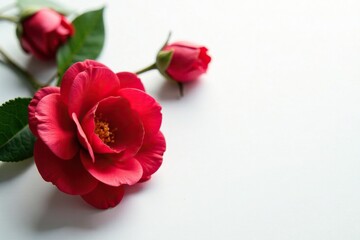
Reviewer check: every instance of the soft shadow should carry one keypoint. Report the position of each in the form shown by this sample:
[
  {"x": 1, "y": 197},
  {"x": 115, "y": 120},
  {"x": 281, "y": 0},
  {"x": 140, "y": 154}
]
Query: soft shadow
[
  {"x": 169, "y": 90},
  {"x": 132, "y": 190},
  {"x": 65, "y": 211},
  {"x": 36, "y": 65},
  {"x": 41, "y": 70},
  {"x": 68, "y": 211},
  {"x": 19, "y": 77},
  {"x": 12, "y": 169}
]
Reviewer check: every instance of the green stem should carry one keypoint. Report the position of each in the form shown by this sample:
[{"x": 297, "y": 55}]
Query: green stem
[
  {"x": 20, "y": 70},
  {"x": 148, "y": 68},
  {"x": 9, "y": 18},
  {"x": 181, "y": 88}
]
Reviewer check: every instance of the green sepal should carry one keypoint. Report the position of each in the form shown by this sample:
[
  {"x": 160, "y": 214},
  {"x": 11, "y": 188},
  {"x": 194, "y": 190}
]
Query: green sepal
[
  {"x": 163, "y": 59},
  {"x": 19, "y": 31},
  {"x": 36, "y": 5},
  {"x": 28, "y": 12}
]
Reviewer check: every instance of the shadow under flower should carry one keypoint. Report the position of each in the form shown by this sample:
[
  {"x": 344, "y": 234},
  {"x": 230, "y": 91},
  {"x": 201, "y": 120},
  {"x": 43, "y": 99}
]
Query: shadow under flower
[
  {"x": 169, "y": 90},
  {"x": 42, "y": 70},
  {"x": 12, "y": 169},
  {"x": 66, "y": 211}
]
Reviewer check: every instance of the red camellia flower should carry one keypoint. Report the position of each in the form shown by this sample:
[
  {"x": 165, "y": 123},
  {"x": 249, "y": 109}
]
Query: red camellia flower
[
  {"x": 42, "y": 33},
  {"x": 187, "y": 61},
  {"x": 96, "y": 133}
]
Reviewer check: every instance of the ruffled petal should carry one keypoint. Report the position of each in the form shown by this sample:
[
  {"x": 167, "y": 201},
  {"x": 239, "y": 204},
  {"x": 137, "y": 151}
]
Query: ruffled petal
[
  {"x": 146, "y": 106},
  {"x": 124, "y": 125},
  {"x": 55, "y": 127},
  {"x": 112, "y": 170},
  {"x": 204, "y": 58},
  {"x": 82, "y": 137},
  {"x": 104, "y": 196},
  {"x": 150, "y": 156},
  {"x": 130, "y": 80},
  {"x": 70, "y": 75},
  {"x": 33, "y": 104},
  {"x": 88, "y": 126},
  {"x": 68, "y": 176},
  {"x": 89, "y": 87}
]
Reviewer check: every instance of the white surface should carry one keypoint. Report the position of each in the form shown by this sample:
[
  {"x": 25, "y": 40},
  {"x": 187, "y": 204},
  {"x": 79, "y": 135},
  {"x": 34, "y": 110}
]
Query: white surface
[{"x": 265, "y": 146}]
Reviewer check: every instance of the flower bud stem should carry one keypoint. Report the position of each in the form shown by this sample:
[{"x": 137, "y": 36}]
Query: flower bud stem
[
  {"x": 181, "y": 88},
  {"x": 9, "y": 18},
  {"x": 148, "y": 68},
  {"x": 20, "y": 70}
]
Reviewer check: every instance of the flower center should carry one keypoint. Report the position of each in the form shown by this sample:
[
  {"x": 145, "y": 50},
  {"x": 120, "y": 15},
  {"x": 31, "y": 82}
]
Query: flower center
[{"x": 103, "y": 130}]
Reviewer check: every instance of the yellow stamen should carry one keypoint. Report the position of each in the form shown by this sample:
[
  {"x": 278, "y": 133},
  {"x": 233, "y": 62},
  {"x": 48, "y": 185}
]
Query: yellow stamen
[{"x": 102, "y": 129}]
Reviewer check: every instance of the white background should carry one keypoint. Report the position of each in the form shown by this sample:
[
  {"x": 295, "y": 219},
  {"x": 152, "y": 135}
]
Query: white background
[{"x": 264, "y": 146}]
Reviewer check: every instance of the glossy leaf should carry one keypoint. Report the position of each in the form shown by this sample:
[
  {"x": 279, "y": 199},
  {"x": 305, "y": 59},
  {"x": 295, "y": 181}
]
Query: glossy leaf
[
  {"x": 16, "y": 139},
  {"x": 86, "y": 43}
]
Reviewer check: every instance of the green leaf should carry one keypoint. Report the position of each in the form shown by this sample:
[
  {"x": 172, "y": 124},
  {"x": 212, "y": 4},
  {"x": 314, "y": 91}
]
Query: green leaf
[
  {"x": 16, "y": 139},
  {"x": 86, "y": 43},
  {"x": 35, "y": 5}
]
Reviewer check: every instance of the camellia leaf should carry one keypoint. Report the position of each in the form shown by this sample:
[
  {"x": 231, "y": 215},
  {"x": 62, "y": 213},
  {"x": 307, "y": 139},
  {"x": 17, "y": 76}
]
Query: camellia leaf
[
  {"x": 34, "y": 5},
  {"x": 16, "y": 139},
  {"x": 86, "y": 43}
]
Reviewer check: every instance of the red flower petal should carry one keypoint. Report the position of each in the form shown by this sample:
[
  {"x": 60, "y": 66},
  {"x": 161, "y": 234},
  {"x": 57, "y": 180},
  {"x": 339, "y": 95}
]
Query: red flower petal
[
  {"x": 69, "y": 176},
  {"x": 151, "y": 153},
  {"x": 147, "y": 108},
  {"x": 82, "y": 137},
  {"x": 89, "y": 87},
  {"x": 72, "y": 72},
  {"x": 104, "y": 196},
  {"x": 125, "y": 125},
  {"x": 130, "y": 80},
  {"x": 183, "y": 57},
  {"x": 112, "y": 170},
  {"x": 185, "y": 44},
  {"x": 33, "y": 104},
  {"x": 88, "y": 126},
  {"x": 37, "y": 24},
  {"x": 204, "y": 58},
  {"x": 55, "y": 127}
]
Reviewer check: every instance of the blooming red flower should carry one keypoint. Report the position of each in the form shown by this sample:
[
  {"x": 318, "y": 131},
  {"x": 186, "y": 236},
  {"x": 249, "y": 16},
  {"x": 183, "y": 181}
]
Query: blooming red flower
[
  {"x": 42, "y": 33},
  {"x": 188, "y": 61},
  {"x": 96, "y": 133}
]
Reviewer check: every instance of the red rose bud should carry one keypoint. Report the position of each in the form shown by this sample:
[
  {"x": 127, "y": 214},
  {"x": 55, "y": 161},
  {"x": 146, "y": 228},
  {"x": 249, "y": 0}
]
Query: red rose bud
[
  {"x": 183, "y": 61},
  {"x": 42, "y": 33}
]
